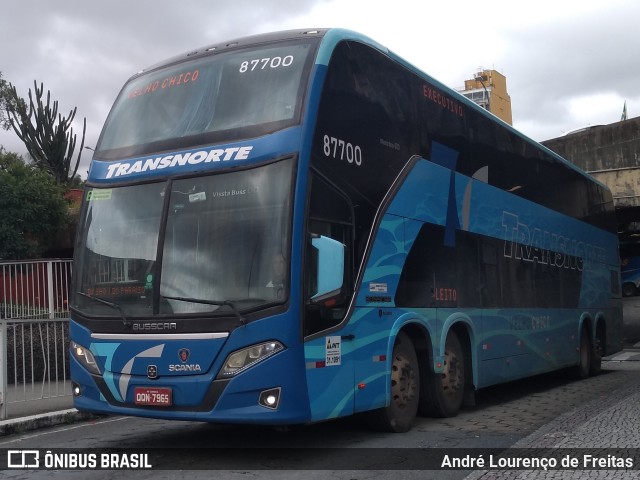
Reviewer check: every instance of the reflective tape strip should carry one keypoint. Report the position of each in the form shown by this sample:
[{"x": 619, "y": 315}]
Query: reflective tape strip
[{"x": 318, "y": 364}]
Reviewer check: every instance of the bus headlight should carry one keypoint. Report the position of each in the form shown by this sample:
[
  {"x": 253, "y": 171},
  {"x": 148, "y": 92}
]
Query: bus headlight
[
  {"x": 241, "y": 360},
  {"x": 85, "y": 357}
]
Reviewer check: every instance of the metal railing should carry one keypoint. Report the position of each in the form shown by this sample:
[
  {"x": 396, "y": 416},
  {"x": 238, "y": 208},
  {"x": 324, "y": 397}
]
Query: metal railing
[{"x": 34, "y": 332}]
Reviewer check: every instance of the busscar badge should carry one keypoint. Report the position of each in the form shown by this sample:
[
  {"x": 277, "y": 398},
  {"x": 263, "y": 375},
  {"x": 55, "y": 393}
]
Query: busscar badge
[{"x": 152, "y": 371}]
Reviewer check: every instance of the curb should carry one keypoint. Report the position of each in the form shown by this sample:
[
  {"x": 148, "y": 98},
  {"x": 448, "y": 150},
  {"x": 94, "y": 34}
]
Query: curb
[{"x": 34, "y": 422}]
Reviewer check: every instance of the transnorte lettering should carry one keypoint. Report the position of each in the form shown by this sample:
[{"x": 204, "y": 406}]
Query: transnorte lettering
[
  {"x": 532, "y": 244},
  {"x": 120, "y": 169}
]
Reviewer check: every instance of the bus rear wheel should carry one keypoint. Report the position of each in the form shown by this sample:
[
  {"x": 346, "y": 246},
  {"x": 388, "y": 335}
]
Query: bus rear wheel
[
  {"x": 443, "y": 393},
  {"x": 405, "y": 389},
  {"x": 583, "y": 368},
  {"x": 629, "y": 289},
  {"x": 596, "y": 357}
]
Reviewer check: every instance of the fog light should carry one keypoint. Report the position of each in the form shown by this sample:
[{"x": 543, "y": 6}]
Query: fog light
[
  {"x": 75, "y": 389},
  {"x": 270, "y": 398}
]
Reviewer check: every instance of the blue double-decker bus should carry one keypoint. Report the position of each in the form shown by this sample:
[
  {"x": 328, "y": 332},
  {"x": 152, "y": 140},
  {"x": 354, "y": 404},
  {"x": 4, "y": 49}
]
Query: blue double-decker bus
[{"x": 300, "y": 226}]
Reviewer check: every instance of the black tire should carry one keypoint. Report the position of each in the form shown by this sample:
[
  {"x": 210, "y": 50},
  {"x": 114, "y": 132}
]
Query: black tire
[
  {"x": 596, "y": 357},
  {"x": 583, "y": 368},
  {"x": 405, "y": 390},
  {"x": 442, "y": 394},
  {"x": 628, "y": 289}
]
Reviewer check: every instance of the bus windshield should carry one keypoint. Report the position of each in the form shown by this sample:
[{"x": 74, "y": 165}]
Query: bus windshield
[
  {"x": 219, "y": 97},
  {"x": 224, "y": 245}
]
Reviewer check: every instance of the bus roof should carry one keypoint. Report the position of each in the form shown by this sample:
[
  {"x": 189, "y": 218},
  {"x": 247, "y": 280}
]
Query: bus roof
[
  {"x": 330, "y": 38},
  {"x": 238, "y": 43}
]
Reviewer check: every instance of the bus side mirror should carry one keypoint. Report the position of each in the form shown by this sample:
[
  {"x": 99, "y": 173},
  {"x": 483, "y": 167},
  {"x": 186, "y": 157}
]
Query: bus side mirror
[{"x": 329, "y": 267}]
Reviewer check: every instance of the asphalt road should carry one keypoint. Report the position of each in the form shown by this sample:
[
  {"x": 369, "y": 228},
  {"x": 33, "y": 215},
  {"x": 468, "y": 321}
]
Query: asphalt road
[{"x": 341, "y": 449}]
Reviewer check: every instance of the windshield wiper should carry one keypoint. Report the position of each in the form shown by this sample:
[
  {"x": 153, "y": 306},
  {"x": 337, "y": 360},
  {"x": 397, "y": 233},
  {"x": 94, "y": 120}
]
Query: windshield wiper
[
  {"x": 113, "y": 305},
  {"x": 219, "y": 303}
]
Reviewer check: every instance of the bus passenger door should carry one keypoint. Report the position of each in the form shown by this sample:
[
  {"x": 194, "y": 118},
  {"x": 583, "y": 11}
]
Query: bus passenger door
[
  {"x": 328, "y": 286},
  {"x": 328, "y": 357}
]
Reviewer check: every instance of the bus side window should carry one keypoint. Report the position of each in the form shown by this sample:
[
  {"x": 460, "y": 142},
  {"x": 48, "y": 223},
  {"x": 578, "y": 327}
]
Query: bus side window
[{"x": 330, "y": 215}]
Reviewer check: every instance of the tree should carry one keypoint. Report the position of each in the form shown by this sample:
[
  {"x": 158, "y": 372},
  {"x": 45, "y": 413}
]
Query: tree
[
  {"x": 7, "y": 101},
  {"x": 48, "y": 136},
  {"x": 32, "y": 208}
]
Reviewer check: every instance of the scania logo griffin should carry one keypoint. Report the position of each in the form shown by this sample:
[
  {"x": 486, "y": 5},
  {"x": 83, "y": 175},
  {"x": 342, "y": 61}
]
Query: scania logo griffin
[
  {"x": 154, "y": 326},
  {"x": 183, "y": 354},
  {"x": 121, "y": 169}
]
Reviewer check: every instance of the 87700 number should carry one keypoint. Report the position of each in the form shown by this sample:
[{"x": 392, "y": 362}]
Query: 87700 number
[
  {"x": 338, "y": 148},
  {"x": 263, "y": 63}
]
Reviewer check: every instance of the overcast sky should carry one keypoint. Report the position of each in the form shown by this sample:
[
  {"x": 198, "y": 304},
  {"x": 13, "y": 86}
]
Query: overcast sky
[{"x": 568, "y": 63}]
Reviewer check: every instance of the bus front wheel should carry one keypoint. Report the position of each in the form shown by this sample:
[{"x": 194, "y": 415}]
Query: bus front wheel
[
  {"x": 443, "y": 393},
  {"x": 400, "y": 414}
]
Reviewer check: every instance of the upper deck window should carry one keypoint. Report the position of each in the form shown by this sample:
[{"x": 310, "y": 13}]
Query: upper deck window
[{"x": 222, "y": 97}]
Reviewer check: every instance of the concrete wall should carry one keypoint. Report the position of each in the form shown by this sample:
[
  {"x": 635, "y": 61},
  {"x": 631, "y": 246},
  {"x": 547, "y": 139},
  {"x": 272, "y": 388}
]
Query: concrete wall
[{"x": 611, "y": 153}]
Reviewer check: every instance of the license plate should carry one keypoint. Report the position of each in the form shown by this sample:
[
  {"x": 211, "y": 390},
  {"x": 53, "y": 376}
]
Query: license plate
[{"x": 157, "y": 396}]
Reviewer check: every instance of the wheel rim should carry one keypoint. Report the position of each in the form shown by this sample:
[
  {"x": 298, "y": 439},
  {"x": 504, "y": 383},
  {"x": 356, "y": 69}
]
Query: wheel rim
[
  {"x": 403, "y": 385},
  {"x": 453, "y": 375}
]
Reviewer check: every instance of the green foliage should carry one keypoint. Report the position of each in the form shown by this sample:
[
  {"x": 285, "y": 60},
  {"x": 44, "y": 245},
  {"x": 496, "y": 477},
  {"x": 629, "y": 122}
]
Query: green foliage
[
  {"x": 7, "y": 102},
  {"x": 47, "y": 135},
  {"x": 32, "y": 208}
]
